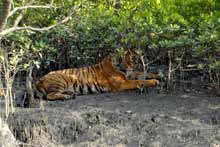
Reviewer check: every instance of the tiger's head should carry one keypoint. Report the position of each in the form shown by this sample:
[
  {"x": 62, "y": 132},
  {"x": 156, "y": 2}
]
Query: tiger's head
[
  {"x": 125, "y": 61},
  {"x": 129, "y": 60}
]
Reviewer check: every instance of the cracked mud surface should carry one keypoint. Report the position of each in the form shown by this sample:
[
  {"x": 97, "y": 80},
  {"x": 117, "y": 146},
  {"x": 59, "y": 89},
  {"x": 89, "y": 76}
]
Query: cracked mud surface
[{"x": 123, "y": 119}]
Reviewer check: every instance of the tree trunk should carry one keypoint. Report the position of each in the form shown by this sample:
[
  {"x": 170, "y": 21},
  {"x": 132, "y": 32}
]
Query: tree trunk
[
  {"x": 169, "y": 71},
  {"x": 4, "y": 11},
  {"x": 30, "y": 93}
]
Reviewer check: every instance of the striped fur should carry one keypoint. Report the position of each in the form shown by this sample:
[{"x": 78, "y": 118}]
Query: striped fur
[{"x": 101, "y": 77}]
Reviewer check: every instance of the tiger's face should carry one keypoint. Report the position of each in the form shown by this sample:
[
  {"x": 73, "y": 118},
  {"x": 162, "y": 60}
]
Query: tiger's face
[
  {"x": 126, "y": 62},
  {"x": 130, "y": 60}
]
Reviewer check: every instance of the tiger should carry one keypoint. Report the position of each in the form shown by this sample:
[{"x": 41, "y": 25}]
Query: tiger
[{"x": 105, "y": 76}]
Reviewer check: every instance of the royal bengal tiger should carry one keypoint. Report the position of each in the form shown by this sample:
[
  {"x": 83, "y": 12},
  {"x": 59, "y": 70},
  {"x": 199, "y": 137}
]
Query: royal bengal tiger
[{"x": 102, "y": 77}]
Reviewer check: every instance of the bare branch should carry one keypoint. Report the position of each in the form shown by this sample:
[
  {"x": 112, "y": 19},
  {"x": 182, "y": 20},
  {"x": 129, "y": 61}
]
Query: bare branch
[
  {"x": 52, "y": 1},
  {"x": 15, "y": 28},
  {"x": 179, "y": 64},
  {"x": 152, "y": 61},
  {"x": 21, "y": 15},
  {"x": 18, "y": 19},
  {"x": 29, "y": 7}
]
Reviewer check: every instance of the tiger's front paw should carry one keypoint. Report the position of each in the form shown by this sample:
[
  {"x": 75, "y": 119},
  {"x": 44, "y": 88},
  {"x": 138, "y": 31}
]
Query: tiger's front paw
[
  {"x": 150, "y": 83},
  {"x": 154, "y": 82},
  {"x": 157, "y": 82}
]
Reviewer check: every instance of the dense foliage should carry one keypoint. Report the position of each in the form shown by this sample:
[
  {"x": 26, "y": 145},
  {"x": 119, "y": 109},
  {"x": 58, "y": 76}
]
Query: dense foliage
[{"x": 188, "y": 29}]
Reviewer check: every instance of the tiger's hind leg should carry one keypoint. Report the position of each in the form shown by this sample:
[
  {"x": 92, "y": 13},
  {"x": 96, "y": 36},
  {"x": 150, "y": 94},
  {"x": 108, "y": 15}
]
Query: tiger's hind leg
[{"x": 61, "y": 95}]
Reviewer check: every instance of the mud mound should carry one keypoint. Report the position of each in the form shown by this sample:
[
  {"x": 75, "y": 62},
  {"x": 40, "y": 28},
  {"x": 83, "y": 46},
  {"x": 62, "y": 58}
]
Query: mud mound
[
  {"x": 46, "y": 126},
  {"x": 6, "y": 137},
  {"x": 98, "y": 127},
  {"x": 121, "y": 120}
]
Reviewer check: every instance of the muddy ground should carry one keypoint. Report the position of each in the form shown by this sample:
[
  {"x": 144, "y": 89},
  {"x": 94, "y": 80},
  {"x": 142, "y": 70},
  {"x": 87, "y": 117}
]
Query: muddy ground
[{"x": 127, "y": 119}]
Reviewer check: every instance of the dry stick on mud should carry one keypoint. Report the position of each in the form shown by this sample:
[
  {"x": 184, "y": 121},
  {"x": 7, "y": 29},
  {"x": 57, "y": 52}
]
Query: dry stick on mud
[
  {"x": 214, "y": 77},
  {"x": 170, "y": 69},
  {"x": 29, "y": 88}
]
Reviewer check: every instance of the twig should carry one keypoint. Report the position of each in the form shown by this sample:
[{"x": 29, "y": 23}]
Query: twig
[
  {"x": 21, "y": 15},
  {"x": 146, "y": 65},
  {"x": 179, "y": 64},
  {"x": 15, "y": 28},
  {"x": 29, "y": 7},
  {"x": 192, "y": 69}
]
